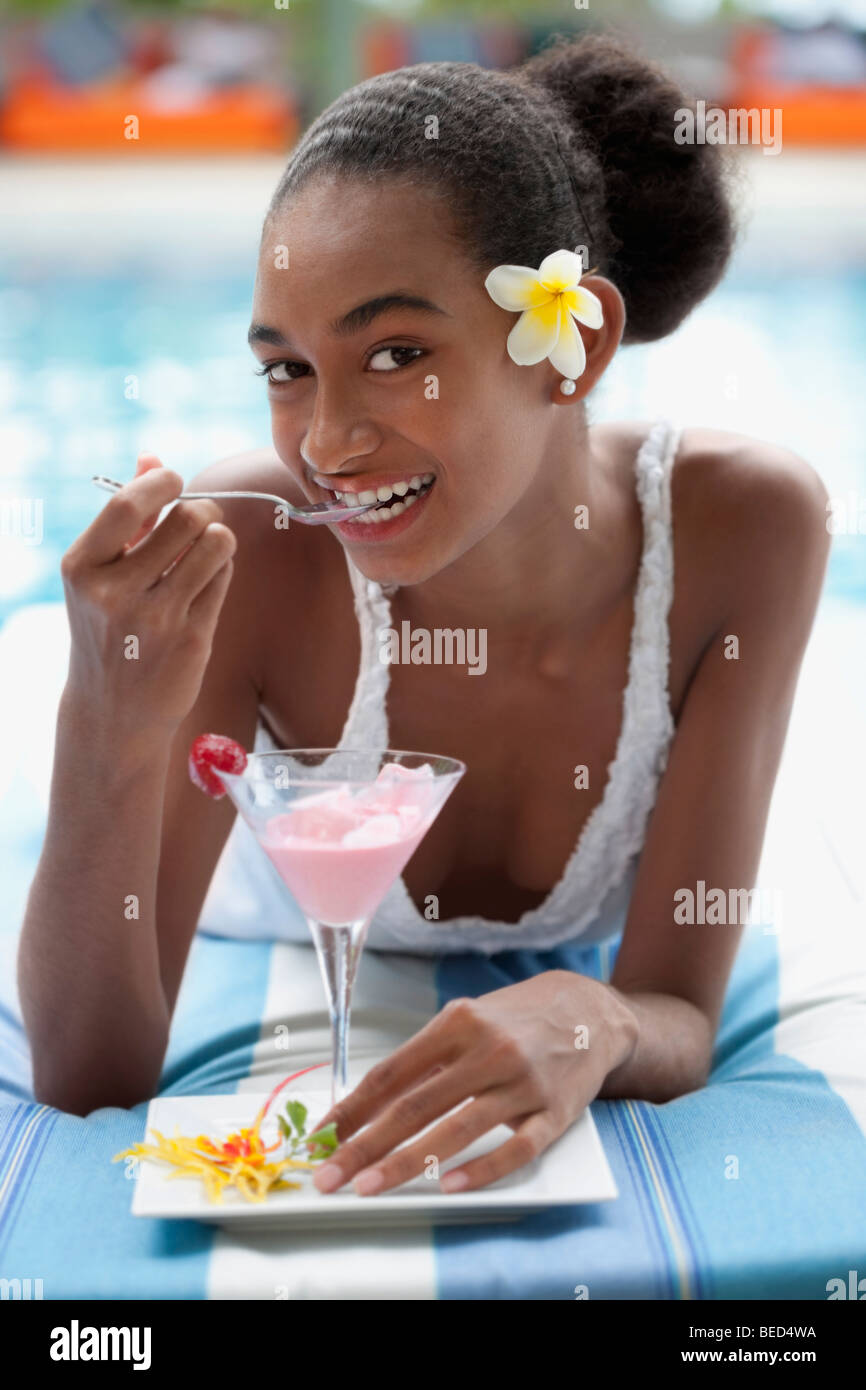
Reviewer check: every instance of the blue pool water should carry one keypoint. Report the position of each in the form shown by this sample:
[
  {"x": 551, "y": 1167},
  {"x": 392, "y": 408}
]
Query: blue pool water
[{"x": 94, "y": 370}]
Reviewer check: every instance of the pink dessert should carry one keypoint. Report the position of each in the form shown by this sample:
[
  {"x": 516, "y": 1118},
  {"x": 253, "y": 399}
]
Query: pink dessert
[{"x": 339, "y": 851}]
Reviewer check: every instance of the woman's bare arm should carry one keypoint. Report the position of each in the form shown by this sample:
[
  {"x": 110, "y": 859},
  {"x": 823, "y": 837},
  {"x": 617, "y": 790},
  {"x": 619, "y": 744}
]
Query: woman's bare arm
[
  {"x": 770, "y": 535},
  {"x": 97, "y": 975}
]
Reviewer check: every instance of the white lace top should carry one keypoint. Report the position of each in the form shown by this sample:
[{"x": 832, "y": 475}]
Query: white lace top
[{"x": 591, "y": 899}]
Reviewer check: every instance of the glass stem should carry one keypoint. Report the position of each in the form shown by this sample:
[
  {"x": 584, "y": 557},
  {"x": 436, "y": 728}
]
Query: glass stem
[{"x": 339, "y": 951}]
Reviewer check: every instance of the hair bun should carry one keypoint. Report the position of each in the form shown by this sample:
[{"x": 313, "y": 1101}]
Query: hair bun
[{"x": 669, "y": 224}]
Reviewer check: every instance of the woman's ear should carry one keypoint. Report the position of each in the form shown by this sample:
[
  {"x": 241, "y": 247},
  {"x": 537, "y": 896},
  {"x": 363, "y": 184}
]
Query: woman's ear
[{"x": 600, "y": 343}]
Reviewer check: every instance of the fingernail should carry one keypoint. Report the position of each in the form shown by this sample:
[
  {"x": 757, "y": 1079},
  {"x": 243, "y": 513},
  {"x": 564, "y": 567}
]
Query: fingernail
[
  {"x": 369, "y": 1182},
  {"x": 452, "y": 1182},
  {"x": 329, "y": 1177}
]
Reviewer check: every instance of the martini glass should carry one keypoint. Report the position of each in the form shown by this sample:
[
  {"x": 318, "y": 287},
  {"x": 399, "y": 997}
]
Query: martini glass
[{"x": 339, "y": 825}]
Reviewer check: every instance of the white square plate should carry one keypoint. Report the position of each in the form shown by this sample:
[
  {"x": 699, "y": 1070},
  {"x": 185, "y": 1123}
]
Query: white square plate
[{"x": 574, "y": 1169}]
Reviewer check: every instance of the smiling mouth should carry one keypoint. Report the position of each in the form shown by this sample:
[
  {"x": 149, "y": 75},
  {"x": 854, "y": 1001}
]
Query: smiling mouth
[{"x": 391, "y": 499}]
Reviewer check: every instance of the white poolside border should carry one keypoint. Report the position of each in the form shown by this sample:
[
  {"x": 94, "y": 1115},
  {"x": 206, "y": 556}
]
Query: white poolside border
[{"x": 803, "y": 203}]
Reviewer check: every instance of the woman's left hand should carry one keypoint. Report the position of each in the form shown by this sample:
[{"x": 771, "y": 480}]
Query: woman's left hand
[{"x": 531, "y": 1056}]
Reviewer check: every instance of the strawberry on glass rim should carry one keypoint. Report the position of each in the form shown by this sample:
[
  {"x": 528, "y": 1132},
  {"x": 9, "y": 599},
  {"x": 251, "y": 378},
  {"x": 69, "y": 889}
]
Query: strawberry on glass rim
[{"x": 210, "y": 755}]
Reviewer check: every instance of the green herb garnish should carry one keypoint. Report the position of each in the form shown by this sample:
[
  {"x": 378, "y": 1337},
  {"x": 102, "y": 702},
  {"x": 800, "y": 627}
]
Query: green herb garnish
[{"x": 300, "y": 1144}]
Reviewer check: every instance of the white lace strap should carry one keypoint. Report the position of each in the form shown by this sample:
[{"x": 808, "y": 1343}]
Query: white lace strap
[
  {"x": 367, "y": 721},
  {"x": 647, "y": 695}
]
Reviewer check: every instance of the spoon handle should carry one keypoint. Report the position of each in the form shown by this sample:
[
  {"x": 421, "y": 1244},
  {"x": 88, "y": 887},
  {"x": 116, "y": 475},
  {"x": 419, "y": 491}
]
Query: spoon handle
[
  {"x": 112, "y": 485},
  {"x": 317, "y": 511}
]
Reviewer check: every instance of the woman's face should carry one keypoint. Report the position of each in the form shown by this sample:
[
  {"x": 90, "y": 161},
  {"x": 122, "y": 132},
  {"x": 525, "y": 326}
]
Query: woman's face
[{"x": 375, "y": 393}]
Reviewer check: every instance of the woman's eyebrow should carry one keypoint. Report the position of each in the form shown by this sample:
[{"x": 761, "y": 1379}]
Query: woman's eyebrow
[
  {"x": 355, "y": 319},
  {"x": 363, "y": 314},
  {"x": 260, "y": 333}
]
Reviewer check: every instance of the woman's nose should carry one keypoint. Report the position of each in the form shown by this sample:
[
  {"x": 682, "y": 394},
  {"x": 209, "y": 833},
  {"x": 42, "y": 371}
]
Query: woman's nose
[{"x": 337, "y": 434}]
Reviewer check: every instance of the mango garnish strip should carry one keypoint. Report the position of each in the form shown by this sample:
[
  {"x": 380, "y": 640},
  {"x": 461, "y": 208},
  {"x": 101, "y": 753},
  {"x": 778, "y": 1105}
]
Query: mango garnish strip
[{"x": 240, "y": 1161}]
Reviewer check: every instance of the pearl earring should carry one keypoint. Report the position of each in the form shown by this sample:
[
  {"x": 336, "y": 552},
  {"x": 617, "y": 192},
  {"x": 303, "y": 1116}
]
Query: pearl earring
[{"x": 567, "y": 386}]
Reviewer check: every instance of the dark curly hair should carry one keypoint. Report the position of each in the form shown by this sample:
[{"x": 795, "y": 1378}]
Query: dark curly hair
[{"x": 575, "y": 147}]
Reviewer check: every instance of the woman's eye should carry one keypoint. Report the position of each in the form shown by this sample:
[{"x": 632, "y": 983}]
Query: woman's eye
[
  {"x": 280, "y": 372},
  {"x": 388, "y": 359},
  {"x": 399, "y": 352}
]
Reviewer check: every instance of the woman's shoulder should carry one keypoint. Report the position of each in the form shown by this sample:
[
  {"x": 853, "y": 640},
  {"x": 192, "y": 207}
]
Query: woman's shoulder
[
  {"x": 723, "y": 468},
  {"x": 756, "y": 518},
  {"x": 753, "y": 511},
  {"x": 733, "y": 489},
  {"x": 249, "y": 470},
  {"x": 749, "y": 524},
  {"x": 261, "y": 530},
  {"x": 738, "y": 471}
]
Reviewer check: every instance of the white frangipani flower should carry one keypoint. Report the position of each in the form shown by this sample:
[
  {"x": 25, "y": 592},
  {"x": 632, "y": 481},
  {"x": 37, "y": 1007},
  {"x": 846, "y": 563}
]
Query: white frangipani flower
[{"x": 550, "y": 303}]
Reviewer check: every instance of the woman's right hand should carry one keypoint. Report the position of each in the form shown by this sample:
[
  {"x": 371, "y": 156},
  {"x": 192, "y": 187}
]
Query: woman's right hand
[{"x": 143, "y": 602}]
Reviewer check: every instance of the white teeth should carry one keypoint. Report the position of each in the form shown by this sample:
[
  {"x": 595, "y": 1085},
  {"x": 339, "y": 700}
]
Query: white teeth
[
  {"x": 385, "y": 513},
  {"x": 383, "y": 493}
]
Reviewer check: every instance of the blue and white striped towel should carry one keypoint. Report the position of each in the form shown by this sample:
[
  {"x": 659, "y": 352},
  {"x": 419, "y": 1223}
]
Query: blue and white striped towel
[{"x": 754, "y": 1187}]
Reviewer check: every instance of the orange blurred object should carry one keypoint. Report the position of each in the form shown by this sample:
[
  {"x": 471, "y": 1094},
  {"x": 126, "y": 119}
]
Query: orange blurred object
[
  {"x": 385, "y": 46},
  {"x": 39, "y": 114},
  {"x": 811, "y": 115}
]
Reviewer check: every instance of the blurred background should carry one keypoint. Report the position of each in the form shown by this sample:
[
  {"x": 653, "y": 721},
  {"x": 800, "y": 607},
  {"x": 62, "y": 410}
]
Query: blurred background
[{"x": 127, "y": 264}]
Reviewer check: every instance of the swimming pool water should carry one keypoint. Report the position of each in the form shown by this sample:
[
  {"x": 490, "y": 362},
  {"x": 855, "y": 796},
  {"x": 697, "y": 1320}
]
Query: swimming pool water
[
  {"x": 96, "y": 368},
  {"x": 94, "y": 371}
]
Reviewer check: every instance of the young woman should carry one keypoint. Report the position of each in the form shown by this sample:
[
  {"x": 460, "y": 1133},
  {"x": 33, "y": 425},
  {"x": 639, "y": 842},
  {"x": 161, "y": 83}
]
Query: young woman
[{"x": 645, "y": 595}]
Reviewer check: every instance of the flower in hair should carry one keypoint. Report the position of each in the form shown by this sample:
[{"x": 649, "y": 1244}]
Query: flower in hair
[{"x": 550, "y": 302}]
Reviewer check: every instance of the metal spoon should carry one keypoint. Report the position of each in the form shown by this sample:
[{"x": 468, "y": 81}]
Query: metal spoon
[{"x": 317, "y": 514}]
